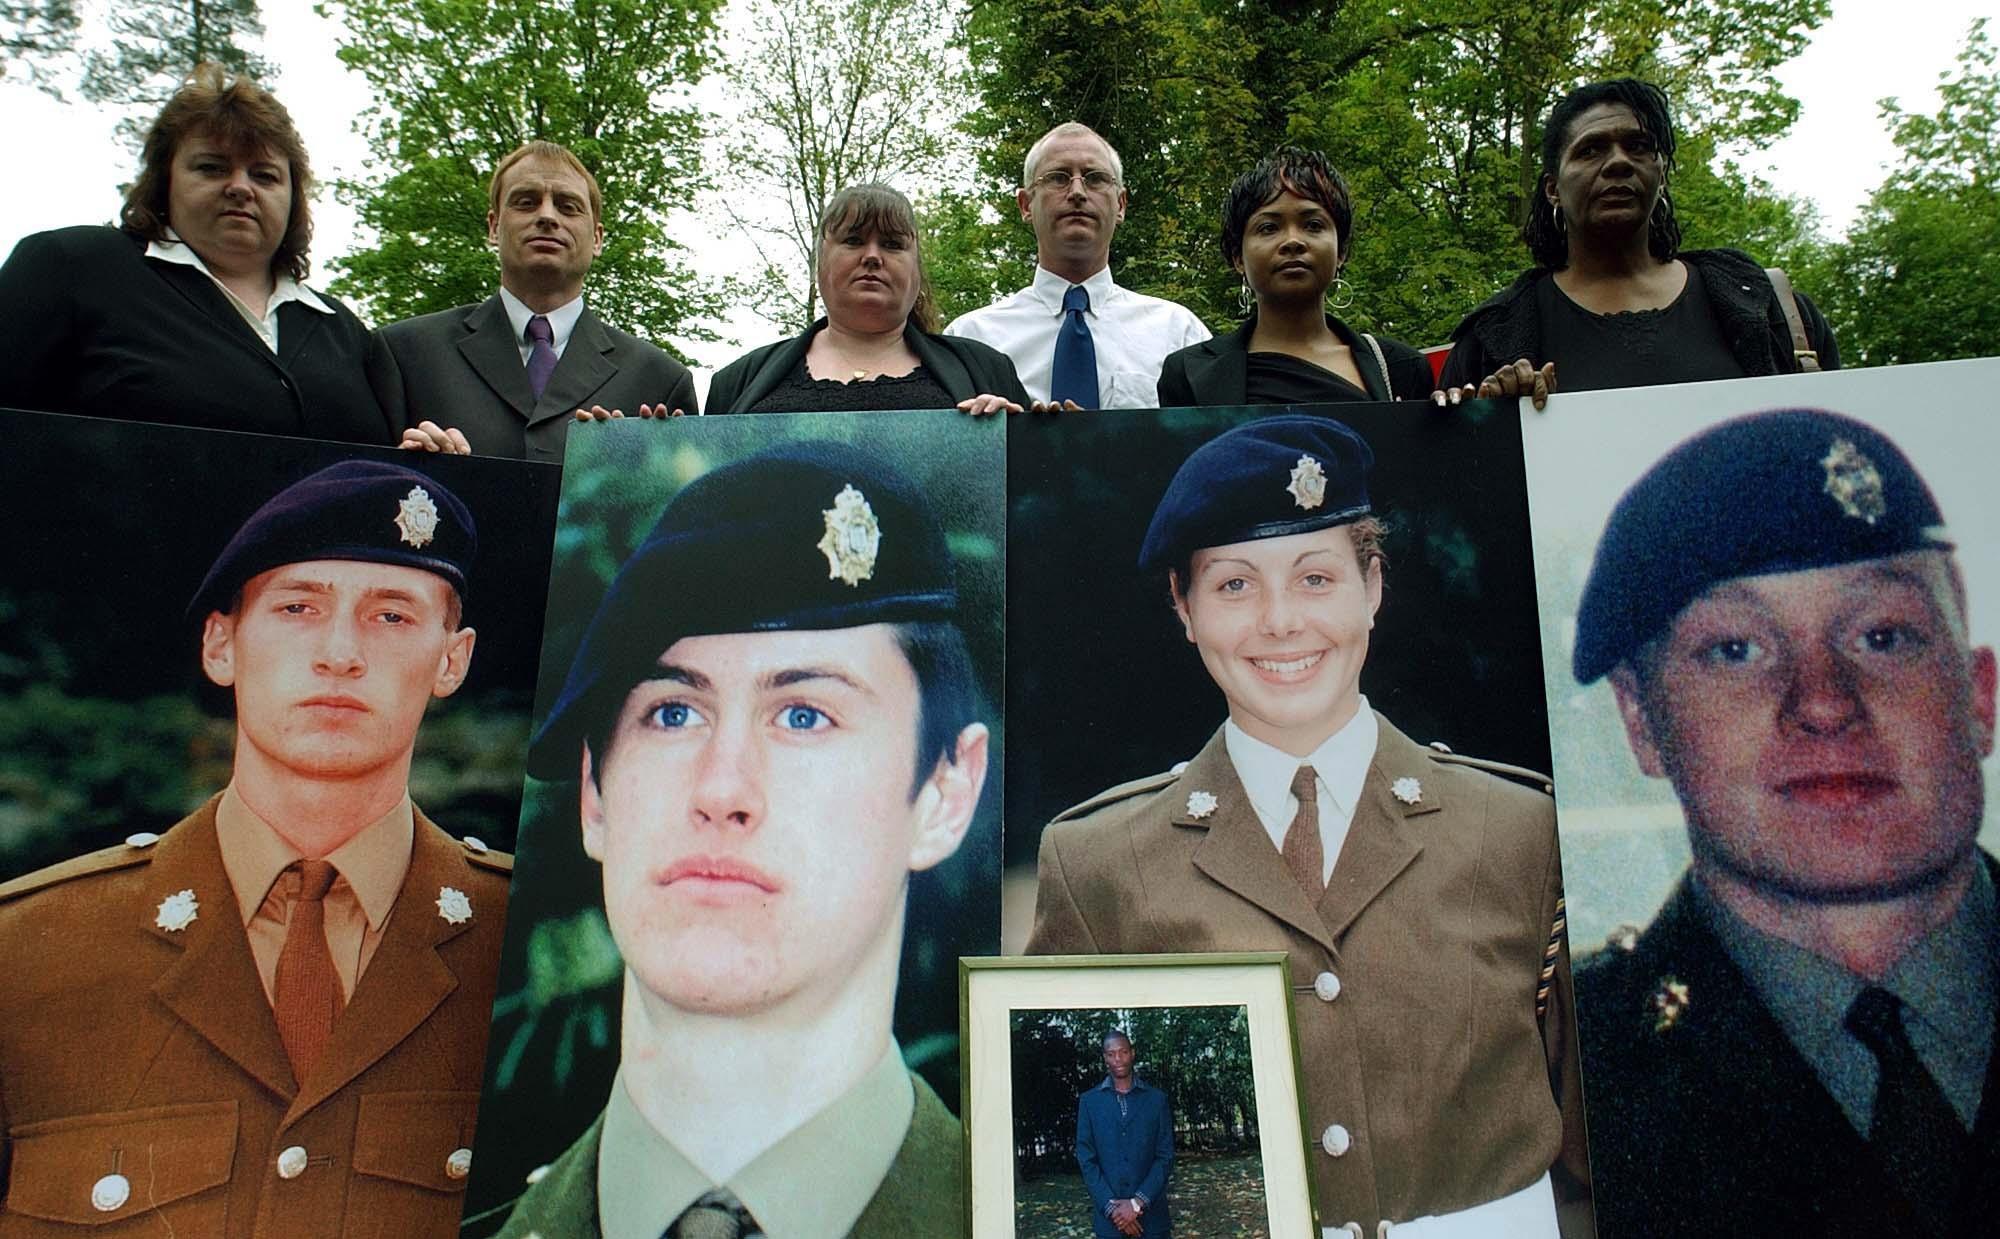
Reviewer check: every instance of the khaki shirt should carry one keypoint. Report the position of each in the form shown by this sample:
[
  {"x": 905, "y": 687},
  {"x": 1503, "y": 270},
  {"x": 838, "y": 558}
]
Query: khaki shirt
[{"x": 816, "y": 1179}]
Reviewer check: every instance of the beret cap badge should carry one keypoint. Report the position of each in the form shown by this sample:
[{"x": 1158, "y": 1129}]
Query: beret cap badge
[
  {"x": 1308, "y": 484},
  {"x": 1854, "y": 482},
  {"x": 852, "y": 539},
  {"x": 417, "y": 517}
]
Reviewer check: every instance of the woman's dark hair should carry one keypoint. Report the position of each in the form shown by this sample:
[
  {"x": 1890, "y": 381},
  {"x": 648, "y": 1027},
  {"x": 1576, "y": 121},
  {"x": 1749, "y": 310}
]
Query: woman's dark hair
[
  {"x": 1303, "y": 172},
  {"x": 242, "y": 117},
  {"x": 1550, "y": 243},
  {"x": 885, "y": 212}
]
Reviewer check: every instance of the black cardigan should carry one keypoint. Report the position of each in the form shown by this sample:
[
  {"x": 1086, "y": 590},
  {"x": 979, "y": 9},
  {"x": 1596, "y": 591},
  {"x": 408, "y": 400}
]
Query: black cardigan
[
  {"x": 965, "y": 368},
  {"x": 1507, "y": 327},
  {"x": 1215, "y": 372},
  {"x": 97, "y": 328}
]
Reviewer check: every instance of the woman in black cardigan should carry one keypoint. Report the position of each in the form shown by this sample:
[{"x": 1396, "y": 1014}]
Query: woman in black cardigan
[
  {"x": 1285, "y": 229},
  {"x": 877, "y": 347},
  {"x": 193, "y": 310}
]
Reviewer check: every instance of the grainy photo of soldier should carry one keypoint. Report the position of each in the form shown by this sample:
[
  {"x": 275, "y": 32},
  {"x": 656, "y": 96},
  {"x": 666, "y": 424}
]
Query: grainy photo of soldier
[{"x": 1787, "y": 1010}]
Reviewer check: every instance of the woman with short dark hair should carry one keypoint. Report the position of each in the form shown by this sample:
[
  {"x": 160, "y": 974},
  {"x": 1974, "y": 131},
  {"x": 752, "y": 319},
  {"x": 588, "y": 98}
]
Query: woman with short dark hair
[
  {"x": 193, "y": 310},
  {"x": 1286, "y": 225},
  {"x": 877, "y": 347},
  {"x": 1613, "y": 301}
]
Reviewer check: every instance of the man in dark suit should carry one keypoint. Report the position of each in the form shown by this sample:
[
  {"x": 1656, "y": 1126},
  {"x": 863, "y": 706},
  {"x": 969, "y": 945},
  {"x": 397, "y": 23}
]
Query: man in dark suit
[
  {"x": 1125, "y": 1148},
  {"x": 1802, "y": 1041},
  {"x": 505, "y": 377},
  {"x": 268, "y": 1022}
]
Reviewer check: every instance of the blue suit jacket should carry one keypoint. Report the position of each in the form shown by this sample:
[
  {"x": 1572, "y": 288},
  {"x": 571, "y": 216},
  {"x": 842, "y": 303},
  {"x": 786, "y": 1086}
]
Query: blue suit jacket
[{"x": 1124, "y": 1155}]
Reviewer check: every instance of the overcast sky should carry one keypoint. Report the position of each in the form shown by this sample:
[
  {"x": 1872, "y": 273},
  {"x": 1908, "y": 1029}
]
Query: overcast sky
[{"x": 67, "y": 164}]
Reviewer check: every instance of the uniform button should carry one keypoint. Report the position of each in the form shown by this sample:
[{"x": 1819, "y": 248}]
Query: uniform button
[
  {"x": 144, "y": 839},
  {"x": 475, "y": 845},
  {"x": 536, "y": 1175},
  {"x": 459, "y": 1164},
  {"x": 110, "y": 1192},
  {"x": 292, "y": 1162},
  {"x": 1335, "y": 1140},
  {"x": 1326, "y": 986},
  {"x": 1177, "y": 767}
]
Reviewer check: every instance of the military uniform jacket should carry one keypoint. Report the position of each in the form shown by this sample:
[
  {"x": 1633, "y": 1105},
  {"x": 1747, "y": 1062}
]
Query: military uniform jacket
[
  {"x": 1711, "y": 1123},
  {"x": 128, "y": 1047},
  {"x": 1415, "y": 977},
  {"x": 920, "y": 1198}
]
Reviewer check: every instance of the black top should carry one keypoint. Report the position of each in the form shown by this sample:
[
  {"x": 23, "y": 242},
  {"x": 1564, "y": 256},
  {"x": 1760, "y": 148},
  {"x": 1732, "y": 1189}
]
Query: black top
[
  {"x": 1217, "y": 373},
  {"x": 1508, "y": 325},
  {"x": 962, "y": 368},
  {"x": 93, "y": 326},
  {"x": 800, "y": 392},
  {"x": 1280, "y": 378},
  {"x": 1678, "y": 343}
]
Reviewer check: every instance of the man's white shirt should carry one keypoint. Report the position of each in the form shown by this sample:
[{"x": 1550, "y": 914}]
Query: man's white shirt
[{"x": 1131, "y": 332}]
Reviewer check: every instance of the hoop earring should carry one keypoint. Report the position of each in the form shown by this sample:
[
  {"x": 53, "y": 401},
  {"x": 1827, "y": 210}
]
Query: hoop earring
[
  {"x": 1340, "y": 294},
  {"x": 1244, "y": 298},
  {"x": 1556, "y": 217}
]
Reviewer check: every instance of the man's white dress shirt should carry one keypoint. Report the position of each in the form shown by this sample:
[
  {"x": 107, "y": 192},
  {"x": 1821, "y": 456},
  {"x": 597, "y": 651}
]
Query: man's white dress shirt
[{"x": 1131, "y": 332}]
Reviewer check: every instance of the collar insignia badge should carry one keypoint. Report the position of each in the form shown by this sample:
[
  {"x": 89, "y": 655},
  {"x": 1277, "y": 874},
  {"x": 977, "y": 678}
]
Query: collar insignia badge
[
  {"x": 453, "y": 906},
  {"x": 1201, "y": 804},
  {"x": 1670, "y": 1003},
  {"x": 177, "y": 911},
  {"x": 1407, "y": 790}
]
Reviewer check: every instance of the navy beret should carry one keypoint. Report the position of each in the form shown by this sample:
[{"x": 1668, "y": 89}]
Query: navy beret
[
  {"x": 357, "y": 509},
  {"x": 1780, "y": 491},
  {"x": 1293, "y": 473},
  {"x": 804, "y": 536}
]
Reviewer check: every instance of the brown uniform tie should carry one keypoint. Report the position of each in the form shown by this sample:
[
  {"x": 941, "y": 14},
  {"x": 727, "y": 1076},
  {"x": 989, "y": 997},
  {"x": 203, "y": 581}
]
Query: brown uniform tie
[
  {"x": 307, "y": 989},
  {"x": 1302, "y": 850},
  {"x": 717, "y": 1215}
]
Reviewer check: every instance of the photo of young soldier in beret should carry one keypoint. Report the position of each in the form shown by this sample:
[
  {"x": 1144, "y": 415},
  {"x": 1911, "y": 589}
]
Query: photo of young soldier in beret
[
  {"x": 266, "y": 1018},
  {"x": 1772, "y": 672},
  {"x": 766, "y": 734},
  {"x": 1270, "y": 569}
]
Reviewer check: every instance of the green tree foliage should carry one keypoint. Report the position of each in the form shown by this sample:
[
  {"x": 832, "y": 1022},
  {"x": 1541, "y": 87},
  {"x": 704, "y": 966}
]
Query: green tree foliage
[
  {"x": 1432, "y": 111},
  {"x": 1915, "y": 278},
  {"x": 822, "y": 109},
  {"x": 459, "y": 83},
  {"x": 156, "y": 43},
  {"x": 33, "y": 33}
]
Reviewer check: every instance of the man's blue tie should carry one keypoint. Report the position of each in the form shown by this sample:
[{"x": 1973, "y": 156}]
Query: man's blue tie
[{"x": 1074, "y": 374}]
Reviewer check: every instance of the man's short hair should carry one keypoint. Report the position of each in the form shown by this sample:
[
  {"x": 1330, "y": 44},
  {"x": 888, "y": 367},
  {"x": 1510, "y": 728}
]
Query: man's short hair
[
  {"x": 1034, "y": 155},
  {"x": 549, "y": 152},
  {"x": 1111, "y": 1035},
  {"x": 242, "y": 116}
]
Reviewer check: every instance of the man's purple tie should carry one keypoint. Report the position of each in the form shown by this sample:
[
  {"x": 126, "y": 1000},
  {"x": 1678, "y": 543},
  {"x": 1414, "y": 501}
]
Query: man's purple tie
[{"x": 541, "y": 354}]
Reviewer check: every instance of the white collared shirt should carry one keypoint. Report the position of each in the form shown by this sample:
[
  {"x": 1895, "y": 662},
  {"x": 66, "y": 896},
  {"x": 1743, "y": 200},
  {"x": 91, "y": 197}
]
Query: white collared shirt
[
  {"x": 562, "y": 322},
  {"x": 1340, "y": 762},
  {"x": 283, "y": 289},
  {"x": 1131, "y": 332}
]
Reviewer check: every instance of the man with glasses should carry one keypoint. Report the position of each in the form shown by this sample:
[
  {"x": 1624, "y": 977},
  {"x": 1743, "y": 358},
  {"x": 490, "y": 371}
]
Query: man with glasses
[{"x": 1074, "y": 335}]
